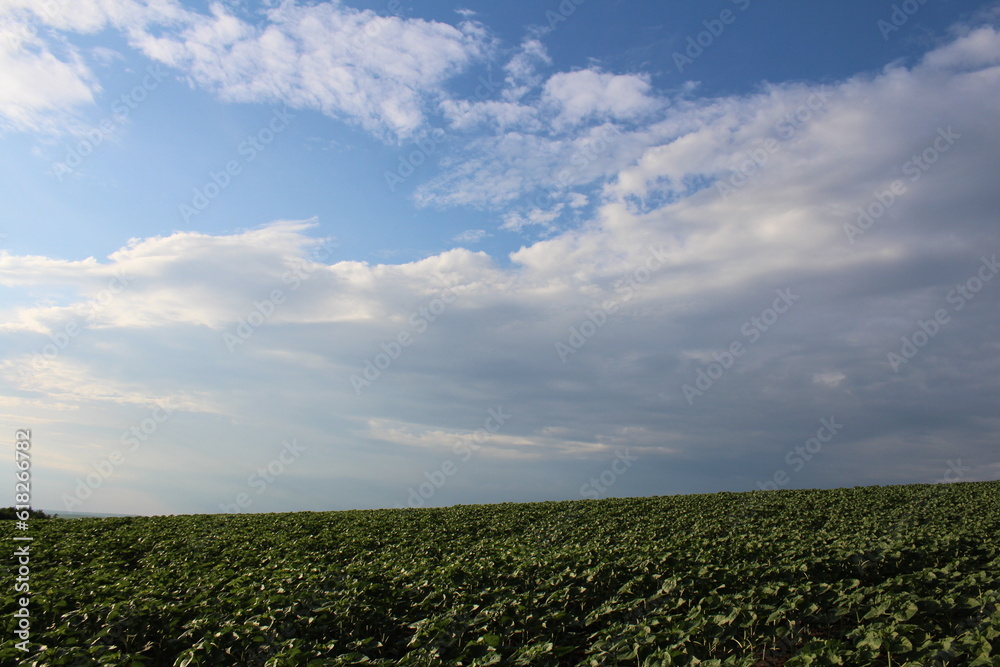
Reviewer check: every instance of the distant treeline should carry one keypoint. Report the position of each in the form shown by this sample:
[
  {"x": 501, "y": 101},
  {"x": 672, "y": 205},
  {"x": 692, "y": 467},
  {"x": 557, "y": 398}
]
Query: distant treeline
[{"x": 10, "y": 513}]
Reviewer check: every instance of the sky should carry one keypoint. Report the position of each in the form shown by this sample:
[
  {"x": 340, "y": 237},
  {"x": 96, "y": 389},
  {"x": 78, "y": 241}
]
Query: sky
[{"x": 284, "y": 256}]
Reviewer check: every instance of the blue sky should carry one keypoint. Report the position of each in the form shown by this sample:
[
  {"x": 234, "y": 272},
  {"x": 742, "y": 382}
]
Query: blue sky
[{"x": 290, "y": 255}]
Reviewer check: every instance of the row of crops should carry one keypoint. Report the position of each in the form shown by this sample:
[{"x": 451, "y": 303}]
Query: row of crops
[{"x": 903, "y": 575}]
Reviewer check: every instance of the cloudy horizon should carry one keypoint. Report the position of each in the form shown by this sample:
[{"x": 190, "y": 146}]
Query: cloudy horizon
[{"x": 320, "y": 256}]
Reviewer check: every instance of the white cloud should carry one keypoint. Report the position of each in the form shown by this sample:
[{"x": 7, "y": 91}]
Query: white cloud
[
  {"x": 471, "y": 236},
  {"x": 374, "y": 70},
  {"x": 72, "y": 383},
  {"x": 466, "y": 115},
  {"x": 517, "y": 221},
  {"x": 830, "y": 379},
  {"x": 585, "y": 126},
  {"x": 36, "y": 85},
  {"x": 507, "y": 169},
  {"x": 522, "y": 69},
  {"x": 91, "y": 16},
  {"x": 104, "y": 56},
  {"x": 449, "y": 442},
  {"x": 45, "y": 80},
  {"x": 592, "y": 95},
  {"x": 382, "y": 73},
  {"x": 571, "y": 133},
  {"x": 976, "y": 49}
]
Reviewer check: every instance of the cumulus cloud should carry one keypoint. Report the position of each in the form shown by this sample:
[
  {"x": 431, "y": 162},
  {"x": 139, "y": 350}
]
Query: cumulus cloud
[
  {"x": 544, "y": 137},
  {"x": 379, "y": 72},
  {"x": 36, "y": 84},
  {"x": 578, "y": 138},
  {"x": 973, "y": 50},
  {"x": 45, "y": 80},
  {"x": 374, "y": 70},
  {"x": 587, "y": 94}
]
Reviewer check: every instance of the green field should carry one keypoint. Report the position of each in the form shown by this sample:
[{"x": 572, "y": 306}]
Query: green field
[{"x": 898, "y": 575}]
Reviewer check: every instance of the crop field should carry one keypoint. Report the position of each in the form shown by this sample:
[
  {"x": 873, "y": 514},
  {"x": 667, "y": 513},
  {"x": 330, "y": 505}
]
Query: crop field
[{"x": 899, "y": 575}]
